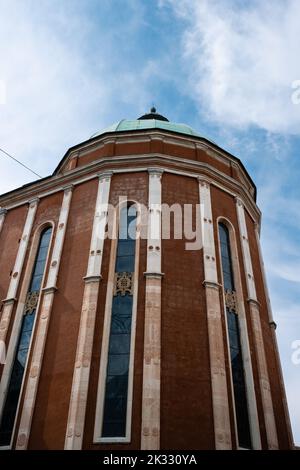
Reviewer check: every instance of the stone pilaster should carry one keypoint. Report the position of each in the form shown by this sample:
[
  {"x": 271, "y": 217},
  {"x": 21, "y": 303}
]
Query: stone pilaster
[
  {"x": 214, "y": 321},
  {"x": 2, "y": 217},
  {"x": 17, "y": 271},
  {"x": 42, "y": 325},
  {"x": 276, "y": 351},
  {"x": 264, "y": 382},
  {"x": 79, "y": 391},
  {"x": 150, "y": 435}
]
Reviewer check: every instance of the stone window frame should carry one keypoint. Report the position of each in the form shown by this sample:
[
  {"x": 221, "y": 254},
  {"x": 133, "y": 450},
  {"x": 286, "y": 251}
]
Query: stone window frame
[
  {"x": 237, "y": 268},
  {"x": 17, "y": 324},
  {"x": 99, "y": 414}
]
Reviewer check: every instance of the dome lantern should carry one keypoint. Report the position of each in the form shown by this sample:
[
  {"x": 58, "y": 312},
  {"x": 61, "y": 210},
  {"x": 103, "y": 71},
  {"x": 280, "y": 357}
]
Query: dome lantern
[{"x": 153, "y": 115}]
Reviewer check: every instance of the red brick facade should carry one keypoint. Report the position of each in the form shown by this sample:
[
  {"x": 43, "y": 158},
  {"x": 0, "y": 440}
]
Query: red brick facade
[{"x": 186, "y": 402}]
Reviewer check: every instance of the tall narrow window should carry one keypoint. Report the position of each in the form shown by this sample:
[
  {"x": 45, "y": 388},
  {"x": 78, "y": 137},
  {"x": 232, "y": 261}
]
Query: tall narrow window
[
  {"x": 18, "y": 369},
  {"x": 238, "y": 378},
  {"x": 116, "y": 385}
]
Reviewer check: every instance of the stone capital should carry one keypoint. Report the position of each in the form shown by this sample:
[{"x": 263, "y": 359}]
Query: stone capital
[
  {"x": 254, "y": 302},
  {"x": 257, "y": 228},
  {"x": 50, "y": 289},
  {"x": 68, "y": 188},
  {"x": 96, "y": 278},
  {"x": 153, "y": 275},
  {"x": 239, "y": 201},
  {"x": 33, "y": 201},
  {"x": 9, "y": 301},
  {"x": 204, "y": 181},
  {"x": 211, "y": 285},
  {"x": 105, "y": 174},
  {"x": 155, "y": 171},
  {"x": 3, "y": 211}
]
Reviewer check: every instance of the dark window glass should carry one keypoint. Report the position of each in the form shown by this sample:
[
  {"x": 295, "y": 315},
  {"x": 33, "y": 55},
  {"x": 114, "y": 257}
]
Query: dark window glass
[
  {"x": 16, "y": 378},
  {"x": 226, "y": 258},
  {"x": 125, "y": 262},
  {"x": 39, "y": 268},
  {"x": 116, "y": 387},
  {"x": 237, "y": 368},
  {"x": 227, "y": 281},
  {"x": 119, "y": 344},
  {"x": 238, "y": 381},
  {"x": 36, "y": 283}
]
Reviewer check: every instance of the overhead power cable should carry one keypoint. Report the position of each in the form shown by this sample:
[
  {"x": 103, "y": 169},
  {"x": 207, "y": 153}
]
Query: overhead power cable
[{"x": 20, "y": 163}]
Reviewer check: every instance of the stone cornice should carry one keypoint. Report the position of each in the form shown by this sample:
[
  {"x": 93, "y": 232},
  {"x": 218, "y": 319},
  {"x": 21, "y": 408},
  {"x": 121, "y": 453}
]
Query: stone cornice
[
  {"x": 190, "y": 141},
  {"x": 148, "y": 135},
  {"x": 175, "y": 165}
]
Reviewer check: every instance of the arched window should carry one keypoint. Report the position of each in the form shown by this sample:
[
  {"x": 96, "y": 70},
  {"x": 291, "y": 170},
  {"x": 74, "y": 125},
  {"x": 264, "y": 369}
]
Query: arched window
[
  {"x": 237, "y": 369},
  {"x": 18, "y": 368},
  {"x": 116, "y": 384}
]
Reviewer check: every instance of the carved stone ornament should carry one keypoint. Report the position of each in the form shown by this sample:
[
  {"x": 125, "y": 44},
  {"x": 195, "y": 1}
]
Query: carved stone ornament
[
  {"x": 230, "y": 301},
  {"x": 31, "y": 302},
  {"x": 123, "y": 283}
]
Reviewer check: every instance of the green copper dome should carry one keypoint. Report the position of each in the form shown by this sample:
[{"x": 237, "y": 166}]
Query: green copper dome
[{"x": 153, "y": 120}]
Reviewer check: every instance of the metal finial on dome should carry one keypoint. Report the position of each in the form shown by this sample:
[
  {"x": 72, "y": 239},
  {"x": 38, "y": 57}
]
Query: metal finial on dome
[{"x": 153, "y": 115}]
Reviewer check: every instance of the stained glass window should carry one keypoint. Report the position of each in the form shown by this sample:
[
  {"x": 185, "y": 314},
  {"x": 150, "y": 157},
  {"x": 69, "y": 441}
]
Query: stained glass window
[
  {"x": 116, "y": 386},
  {"x": 18, "y": 368},
  {"x": 237, "y": 369}
]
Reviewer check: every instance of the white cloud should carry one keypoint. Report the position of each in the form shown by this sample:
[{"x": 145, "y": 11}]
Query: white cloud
[
  {"x": 243, "y": 59},
  {"x": 288, "y": 271},
  {"x": 46, "y": 87},
  {"x": 65, "y": 79}
]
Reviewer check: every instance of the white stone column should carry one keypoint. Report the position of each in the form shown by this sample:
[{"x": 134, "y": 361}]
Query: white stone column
[
  {"x": 214, "y": 321},
  {"x": 43, "y": 320},
  {"x": 2, "y": 217},
  {"x": 257, "y": 332},
  {"x": 276, "y": 351},
  {"x": 77, "y": 407},
  {"x": 150, "y": 433},
  {"x": 17, "y": 271}
]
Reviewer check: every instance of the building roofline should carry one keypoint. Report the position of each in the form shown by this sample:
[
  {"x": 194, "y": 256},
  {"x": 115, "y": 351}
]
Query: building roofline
[
  {"x": 31, "y": 183},
  {"x": 139, "y": 131}
]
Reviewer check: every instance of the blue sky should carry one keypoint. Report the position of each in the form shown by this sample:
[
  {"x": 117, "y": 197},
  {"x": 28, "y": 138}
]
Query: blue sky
[{"x": 71, "y": 67}]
